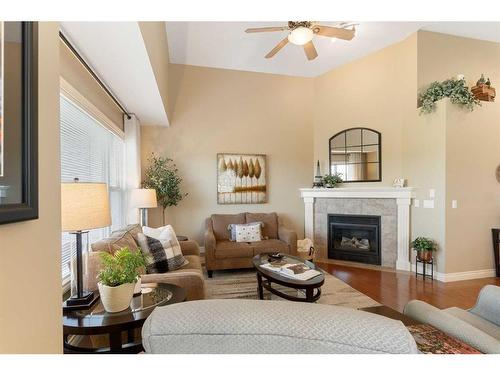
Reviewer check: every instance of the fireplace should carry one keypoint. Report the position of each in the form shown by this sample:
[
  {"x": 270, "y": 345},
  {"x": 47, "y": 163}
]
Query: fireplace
[{"x": 354, "y": 238}]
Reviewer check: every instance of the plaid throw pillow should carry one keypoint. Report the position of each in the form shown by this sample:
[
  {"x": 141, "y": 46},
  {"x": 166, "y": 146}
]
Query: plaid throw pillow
[
  {"x": 154, "y": 252},
  {"x": 163, "y": 249}
]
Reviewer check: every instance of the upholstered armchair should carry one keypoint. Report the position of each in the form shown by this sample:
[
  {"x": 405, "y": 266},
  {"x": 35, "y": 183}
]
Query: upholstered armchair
[{"x": 479, "y": 327}]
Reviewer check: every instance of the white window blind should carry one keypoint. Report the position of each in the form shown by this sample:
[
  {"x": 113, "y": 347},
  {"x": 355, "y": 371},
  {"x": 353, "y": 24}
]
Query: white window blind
[{"x": 91, "y": 153}]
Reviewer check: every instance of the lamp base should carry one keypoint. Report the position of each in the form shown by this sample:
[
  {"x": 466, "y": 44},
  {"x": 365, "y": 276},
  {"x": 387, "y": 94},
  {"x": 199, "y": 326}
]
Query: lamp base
[{"x": 85, "y": 302}]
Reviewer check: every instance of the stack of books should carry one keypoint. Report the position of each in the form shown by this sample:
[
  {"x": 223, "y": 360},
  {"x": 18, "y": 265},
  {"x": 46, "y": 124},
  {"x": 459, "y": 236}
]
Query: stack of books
[{"x": 295, "y": 271}]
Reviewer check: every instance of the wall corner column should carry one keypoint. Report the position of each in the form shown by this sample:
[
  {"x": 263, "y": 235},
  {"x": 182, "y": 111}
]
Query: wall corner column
[
  {"x": 403, "y": 260},
  {"x": 309, "y": 217}
]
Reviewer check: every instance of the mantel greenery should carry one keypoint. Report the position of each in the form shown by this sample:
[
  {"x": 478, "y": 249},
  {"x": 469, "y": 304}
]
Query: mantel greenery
[
  {"x": 453, "y": 88},
  {"x": 332, "y": 180}
]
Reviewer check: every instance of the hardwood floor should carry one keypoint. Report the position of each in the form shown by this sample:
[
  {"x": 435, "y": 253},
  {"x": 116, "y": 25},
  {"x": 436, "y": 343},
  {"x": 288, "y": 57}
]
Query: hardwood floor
[{"x": 395, "y": 289}]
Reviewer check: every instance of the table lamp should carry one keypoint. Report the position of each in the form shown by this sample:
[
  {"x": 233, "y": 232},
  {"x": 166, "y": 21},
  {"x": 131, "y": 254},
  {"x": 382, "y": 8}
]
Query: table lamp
[
  {"x": 143, "y": 199},
  {"x": 84, "y": 206}
]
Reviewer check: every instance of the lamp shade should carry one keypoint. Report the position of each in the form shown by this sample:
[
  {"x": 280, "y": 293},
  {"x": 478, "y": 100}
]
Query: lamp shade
[
  {"x": 143, "y": 198},
  {"x": 84, "y": 206}
]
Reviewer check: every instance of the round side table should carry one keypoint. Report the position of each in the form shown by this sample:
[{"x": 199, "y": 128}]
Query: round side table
[{"x": 80, "y": 325}]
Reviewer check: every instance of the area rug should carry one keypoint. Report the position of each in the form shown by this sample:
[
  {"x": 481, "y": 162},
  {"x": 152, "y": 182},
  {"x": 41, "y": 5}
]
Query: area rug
[{"x": 243, "y": 284}]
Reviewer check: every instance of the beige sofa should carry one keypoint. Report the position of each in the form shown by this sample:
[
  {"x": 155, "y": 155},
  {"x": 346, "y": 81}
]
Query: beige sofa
[
  {"x": 223, "y": 254},
  {"x": 189, "y": 276}
]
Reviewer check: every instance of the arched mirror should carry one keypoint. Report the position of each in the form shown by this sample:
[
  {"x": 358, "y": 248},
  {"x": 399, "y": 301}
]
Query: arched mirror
[{"x": 356, "y": 154}]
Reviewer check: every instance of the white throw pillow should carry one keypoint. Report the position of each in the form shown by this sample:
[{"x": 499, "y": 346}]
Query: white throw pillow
[
  {"x": 248, "y": 232},
  {"x": 162, "y": 233}
]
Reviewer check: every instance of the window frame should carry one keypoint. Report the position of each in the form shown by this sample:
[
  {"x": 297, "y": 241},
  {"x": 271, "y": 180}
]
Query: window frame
[{"x": 70, "y": 94}]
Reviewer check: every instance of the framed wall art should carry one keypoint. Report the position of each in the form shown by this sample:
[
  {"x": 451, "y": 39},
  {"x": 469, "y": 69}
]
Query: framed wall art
[
  {"x": 18, "y": 121},
  {"x": 241, "y": 178}
]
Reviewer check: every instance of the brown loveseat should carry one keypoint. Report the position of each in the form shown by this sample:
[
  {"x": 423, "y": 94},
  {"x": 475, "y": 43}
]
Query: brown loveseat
[
  {"x": 189, "y": 276},
  {"x": 223, "y": 254}
]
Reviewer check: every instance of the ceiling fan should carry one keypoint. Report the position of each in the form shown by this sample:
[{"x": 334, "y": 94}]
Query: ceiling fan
[{"x": 301, "y": 33}]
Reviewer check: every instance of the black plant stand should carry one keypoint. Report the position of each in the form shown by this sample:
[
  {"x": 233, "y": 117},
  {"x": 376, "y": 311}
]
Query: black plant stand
[{"x": 424, "y": 268}]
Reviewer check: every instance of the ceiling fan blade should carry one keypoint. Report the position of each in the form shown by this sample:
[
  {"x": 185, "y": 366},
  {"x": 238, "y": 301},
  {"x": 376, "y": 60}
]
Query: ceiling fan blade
[
  {"x": 310, "y": 51},
  {"x": 276, "y": 49},
  {"x": 334, "y": 32},
  {"x": 265, "y": 29}
]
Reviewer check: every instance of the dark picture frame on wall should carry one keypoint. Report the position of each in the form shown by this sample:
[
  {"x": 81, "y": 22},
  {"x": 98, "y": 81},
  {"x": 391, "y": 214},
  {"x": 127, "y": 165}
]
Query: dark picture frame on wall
[{"x": 18, "y": 121}]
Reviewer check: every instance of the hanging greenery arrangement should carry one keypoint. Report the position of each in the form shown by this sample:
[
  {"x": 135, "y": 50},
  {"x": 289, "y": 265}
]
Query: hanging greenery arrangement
[{"x": 453, "y": 88}]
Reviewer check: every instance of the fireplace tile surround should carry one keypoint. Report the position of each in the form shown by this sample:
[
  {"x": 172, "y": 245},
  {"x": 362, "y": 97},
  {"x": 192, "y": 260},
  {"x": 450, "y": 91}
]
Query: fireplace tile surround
[{"x": 391, "y": 204}]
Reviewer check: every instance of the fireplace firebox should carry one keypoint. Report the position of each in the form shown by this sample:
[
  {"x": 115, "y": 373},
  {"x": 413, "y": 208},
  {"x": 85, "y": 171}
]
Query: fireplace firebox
[{"x": 354, "y": 238}]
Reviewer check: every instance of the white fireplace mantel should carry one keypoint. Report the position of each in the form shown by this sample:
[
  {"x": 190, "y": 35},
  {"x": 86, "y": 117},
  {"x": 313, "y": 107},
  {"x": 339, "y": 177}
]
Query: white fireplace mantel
[
  {"x": 359, "y": 192},
  {"x": 402, "y": 196}
]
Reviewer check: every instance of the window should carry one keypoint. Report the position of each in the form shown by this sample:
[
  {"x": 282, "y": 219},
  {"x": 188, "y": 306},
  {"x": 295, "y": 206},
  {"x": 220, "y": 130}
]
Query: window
[
  {"x": 91, "y": 153},
  {"x": 355, "y": 154}
]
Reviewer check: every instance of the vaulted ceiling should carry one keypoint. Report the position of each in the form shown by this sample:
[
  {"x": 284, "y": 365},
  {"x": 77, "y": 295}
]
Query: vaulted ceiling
[{"x": 226, "y": 45}]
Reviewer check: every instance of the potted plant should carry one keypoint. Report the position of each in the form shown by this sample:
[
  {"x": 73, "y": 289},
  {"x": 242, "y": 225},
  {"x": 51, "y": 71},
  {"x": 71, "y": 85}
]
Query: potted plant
[
  {"x": 162, "y": 175},
  {"x": 332, "y": 180},
  {"x": 118, "y": 277},
  {"x": 424, "y": 247}
]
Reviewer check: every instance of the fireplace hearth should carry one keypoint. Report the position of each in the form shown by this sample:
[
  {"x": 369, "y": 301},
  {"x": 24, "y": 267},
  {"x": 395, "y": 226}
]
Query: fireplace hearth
[{"x": 354, "y": 238}]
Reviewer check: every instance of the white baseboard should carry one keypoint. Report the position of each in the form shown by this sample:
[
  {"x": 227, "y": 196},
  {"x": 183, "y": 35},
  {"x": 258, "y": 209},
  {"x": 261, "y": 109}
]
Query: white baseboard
[
  {"x": 469, "y": 275},
  {"x": 457, "y": 276}
]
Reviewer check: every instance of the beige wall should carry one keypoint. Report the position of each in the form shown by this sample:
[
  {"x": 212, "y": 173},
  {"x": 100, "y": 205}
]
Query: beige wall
[
  {"x": 424, "y": 166},
  {"x": 472, "y": 155},
  {"x": 155, "y": 39},
  {"x": 471, "y": 145},
  {"x": 77, "y": 76},
  {"x": 216, "y": 110},
  {"x": 30, "y": 265},
  {"x": 377, "y": 92},
  {"x": 442, "y": 56}
]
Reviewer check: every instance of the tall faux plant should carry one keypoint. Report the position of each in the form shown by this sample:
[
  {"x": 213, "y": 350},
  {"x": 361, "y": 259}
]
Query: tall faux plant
[{"x": 162, "y": 175}]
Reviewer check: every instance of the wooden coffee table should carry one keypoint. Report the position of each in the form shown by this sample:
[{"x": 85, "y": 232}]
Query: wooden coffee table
[
  {"x": 120, "y": 327},
  {"x": 391, "y": 313},
  {"x": 265, "y": 279}
]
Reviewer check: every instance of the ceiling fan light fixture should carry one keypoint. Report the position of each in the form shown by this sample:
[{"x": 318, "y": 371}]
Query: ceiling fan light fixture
[{"x": 300, "y": 36}]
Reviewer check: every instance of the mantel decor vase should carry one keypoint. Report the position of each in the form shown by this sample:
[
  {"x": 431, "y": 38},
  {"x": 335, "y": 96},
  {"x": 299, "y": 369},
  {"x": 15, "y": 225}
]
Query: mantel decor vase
[{"x": 116, "y": 298}]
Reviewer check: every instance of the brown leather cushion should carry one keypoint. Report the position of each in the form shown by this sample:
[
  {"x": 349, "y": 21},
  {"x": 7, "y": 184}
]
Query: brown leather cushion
[
  {"x": 269, "y": 246},
  {"x": 119, "y": 238},
  {"x": 221, "y": 222},
  {"x": 270, "y": 221},
  {"x": 229, "y": 249}
]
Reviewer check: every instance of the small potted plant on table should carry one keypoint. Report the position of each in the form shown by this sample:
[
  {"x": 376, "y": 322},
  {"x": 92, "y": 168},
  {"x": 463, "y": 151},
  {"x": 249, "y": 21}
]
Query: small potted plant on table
[
  {"x": 117, "y": 278},
  {"x": 424, "y": 248}
]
